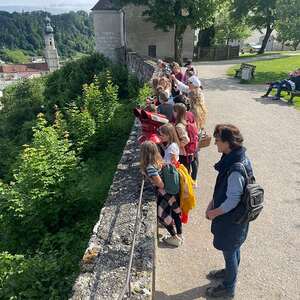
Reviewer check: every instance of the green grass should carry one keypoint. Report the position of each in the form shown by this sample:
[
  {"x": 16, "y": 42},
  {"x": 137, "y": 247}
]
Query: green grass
[
  {"x": 272, "y": 70},
  {"x": 14, "y": 56}
]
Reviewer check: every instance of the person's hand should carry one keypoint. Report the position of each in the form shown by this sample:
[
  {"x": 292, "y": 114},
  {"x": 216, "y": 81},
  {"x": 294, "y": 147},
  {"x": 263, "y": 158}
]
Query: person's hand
[
  {"x": 162, "y": 191},
  {"x": 173, "y": 77},
  {"x": 211, "y": 214}
]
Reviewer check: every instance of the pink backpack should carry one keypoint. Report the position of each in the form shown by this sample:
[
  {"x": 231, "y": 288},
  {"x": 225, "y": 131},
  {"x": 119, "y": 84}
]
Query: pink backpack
[{"x": 192, "y": 131}]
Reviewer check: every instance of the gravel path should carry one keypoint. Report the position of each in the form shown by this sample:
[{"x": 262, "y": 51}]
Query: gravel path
[{"x": 270, "y": 266}]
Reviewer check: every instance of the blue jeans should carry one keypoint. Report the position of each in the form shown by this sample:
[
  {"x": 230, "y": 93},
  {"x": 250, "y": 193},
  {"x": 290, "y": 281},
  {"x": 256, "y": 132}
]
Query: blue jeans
[{"x": 232, "y": 261}]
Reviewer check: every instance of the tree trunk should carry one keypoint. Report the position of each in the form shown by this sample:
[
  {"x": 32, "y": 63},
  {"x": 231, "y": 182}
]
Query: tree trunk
[
  {"x": 265, "y": 40},
  {"x": 295, "y": 45},
  {"x": 178, "y": 43}
]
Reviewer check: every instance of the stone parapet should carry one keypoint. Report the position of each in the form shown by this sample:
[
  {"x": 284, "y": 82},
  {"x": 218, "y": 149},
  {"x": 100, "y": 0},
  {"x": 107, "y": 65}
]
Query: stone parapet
[{"x": 105, "y": 262}]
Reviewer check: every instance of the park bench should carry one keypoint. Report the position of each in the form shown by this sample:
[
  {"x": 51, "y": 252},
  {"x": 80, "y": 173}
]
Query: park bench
[
  {"x": 238, "y": 72},
  {"x": 293, "y": 94}
]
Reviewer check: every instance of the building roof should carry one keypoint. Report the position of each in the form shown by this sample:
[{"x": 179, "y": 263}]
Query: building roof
[
  {"x": 32, "y": 68},
  {"x": 105, "y": 5}
]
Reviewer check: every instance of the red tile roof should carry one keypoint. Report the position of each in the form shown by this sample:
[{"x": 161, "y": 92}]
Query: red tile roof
[{"x": 34, "y": 68}]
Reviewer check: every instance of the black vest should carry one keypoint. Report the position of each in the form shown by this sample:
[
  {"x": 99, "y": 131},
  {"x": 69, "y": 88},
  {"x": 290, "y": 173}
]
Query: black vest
[{"x": 227, "y": 234}]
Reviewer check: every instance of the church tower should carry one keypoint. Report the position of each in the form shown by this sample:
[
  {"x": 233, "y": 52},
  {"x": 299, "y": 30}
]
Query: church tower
[{"x": 51, "y": 55}]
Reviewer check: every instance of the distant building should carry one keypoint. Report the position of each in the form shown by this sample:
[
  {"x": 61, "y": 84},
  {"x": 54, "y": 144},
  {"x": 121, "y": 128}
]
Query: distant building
[
  {"x": 115, "y": 28},
  {"x": 9, "y": 73},
  {"x": 51, "y": 54}
]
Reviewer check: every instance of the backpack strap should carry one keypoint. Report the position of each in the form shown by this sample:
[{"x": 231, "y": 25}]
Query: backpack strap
[{"x": 242, "y": 169}]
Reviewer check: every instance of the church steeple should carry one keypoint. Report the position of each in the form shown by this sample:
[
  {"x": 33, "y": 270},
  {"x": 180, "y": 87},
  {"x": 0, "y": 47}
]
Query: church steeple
[{"x": 51, "y": 54}]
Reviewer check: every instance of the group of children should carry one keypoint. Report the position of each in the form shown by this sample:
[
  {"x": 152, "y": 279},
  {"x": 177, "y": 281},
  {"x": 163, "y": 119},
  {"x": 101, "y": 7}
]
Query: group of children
[{"x": 179, "y": 97}]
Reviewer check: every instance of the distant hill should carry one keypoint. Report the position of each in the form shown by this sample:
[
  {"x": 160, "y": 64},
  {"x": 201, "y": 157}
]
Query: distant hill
[{"x": 73, "y": 32}]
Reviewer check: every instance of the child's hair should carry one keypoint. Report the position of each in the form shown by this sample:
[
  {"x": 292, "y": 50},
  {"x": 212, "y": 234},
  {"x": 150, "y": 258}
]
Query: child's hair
[
  {"x": 198, "y": 107},
  {"x": 180, "y": 109},
  {"x": 163, "y": 97},
  {"x": 155, "y": 82},
  {"x": 170, "y": 131},
  {"x": 165, "y": 83},
  {"x": 150, "y": 156}
]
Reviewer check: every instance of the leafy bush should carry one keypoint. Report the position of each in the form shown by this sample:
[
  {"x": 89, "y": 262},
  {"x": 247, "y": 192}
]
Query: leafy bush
[{"x": 60, "y": 178}]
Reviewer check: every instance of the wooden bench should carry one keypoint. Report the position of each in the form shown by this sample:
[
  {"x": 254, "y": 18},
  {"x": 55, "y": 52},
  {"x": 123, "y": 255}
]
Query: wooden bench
[
  {"x": 238, "y": 72},
  {"x": 293, "y": 94}
]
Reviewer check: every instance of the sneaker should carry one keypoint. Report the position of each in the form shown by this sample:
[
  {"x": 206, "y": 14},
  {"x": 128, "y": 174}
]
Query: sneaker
[
  {"x": 173, "y": 241},
  {"x": 216, "y": 274},
  {"x": 275, "y": 98},
  {"x": 218, "y": 292},
  {"x": 264, "y": 96}
]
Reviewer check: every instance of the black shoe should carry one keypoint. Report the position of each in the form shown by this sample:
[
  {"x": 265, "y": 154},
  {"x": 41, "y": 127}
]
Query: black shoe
[
  {"x": 216, "y": 274},
  {"x": 275, "y": 98},
  {"x": 218, "y": 292},
  {"x": 264, "y": 96}
]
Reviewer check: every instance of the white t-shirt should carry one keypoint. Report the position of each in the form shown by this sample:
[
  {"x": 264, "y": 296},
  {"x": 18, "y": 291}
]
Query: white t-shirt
[{"x": 171, "y": 149}]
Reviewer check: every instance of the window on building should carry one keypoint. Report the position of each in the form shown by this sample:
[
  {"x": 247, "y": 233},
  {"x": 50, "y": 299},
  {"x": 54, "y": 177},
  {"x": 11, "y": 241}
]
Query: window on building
[{"x": 152, "y": 50}]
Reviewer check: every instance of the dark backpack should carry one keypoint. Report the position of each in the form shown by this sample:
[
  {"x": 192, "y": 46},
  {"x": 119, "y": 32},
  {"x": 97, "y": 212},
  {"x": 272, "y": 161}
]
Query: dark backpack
[
  {"x": 193, "y": 134},
  {"x": 252, "y": 200},
  {"x": 171, "y": 179}
]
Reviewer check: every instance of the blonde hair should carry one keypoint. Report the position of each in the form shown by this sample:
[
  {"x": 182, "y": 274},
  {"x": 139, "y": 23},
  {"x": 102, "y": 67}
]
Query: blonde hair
[
  {"x": 170, "y": 131},
  {"x": 181, "y": 110},
  {"x": 199, "y": 108},
  {"x": 165, "y": 83},
  {"x": 150, "y": 156}
]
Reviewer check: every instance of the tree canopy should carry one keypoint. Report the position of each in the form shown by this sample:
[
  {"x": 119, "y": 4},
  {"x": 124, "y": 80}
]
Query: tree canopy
[{"x": 73, "y": 32}]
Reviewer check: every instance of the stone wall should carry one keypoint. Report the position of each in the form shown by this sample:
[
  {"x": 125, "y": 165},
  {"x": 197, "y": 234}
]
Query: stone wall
[
  {"x": 104, "y": 265},
  {"x": 108, "y": 32},
  {"x": 141, "y": 34},
  {"x": 142, "y": 67}
]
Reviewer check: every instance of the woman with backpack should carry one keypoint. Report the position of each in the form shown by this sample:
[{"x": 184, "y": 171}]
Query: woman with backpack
[
  {"x": 170, "y": 144},
  {"x": 224, "y": 209},
  {"x": 168, "y": 206}
]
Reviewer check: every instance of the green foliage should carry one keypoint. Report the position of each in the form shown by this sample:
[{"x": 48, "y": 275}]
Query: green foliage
[
  {"x": 21, "y": 103},
  {"x": 64, "y": 86},
  {"x": 60, "y": 178},
  {"x": 288, "y": 13},
  {"x": 13, "y": 56},
  {"x": 73, "y": 32},
  {"x": 144, "y": 93},
  {"x": 227, "y": 28},
  {"x": 258, "y": 14}
]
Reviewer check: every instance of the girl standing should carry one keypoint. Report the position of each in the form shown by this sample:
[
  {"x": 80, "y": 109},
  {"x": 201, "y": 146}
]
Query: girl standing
[
  {"x": 168, "y": 207},
  {"x": 180, "y": 125},
  {"x": 170, "y": 145}
]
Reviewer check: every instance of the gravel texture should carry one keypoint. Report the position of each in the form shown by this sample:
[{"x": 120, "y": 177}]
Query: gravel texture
[{"x": 270, "y": 265}]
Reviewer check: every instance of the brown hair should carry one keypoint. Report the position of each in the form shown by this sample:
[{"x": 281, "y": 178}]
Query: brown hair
[
  {"x": 180, "y": 109},
  {"x": 165, "y": 83},
  {"x": 163, "y": 96},
  {"x": 150, "y": 156},
  {"x": 229, "y": 133},
  {"x": 170, "y": 131},
  {"x": 198, "y": 107}
]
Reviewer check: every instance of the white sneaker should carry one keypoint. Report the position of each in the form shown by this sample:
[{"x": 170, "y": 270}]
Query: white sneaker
[{"x": 173, "y": 241}]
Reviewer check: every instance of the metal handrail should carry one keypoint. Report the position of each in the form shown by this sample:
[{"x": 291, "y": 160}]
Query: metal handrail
[{"x": 137, "y": 225}]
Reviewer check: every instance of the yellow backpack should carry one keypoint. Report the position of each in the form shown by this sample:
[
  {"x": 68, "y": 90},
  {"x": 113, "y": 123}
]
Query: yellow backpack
[{"x": 186, "y": 194}]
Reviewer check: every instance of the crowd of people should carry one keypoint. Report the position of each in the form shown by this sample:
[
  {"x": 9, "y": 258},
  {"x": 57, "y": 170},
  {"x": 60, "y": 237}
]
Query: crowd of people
[{"x": 179, "y": 97}]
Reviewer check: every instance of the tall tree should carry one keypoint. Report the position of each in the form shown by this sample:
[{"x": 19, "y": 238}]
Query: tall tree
[
  {"x": 227, "y": 28},
  {"x": 288, "y": 25},
  {"x": 259, "y": 14},
  {"x": 177, "y": 15}
]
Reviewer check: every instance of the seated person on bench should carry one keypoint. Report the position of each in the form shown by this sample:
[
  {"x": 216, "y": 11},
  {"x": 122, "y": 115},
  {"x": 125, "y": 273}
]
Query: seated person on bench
[{"x": 290, "y": 84}]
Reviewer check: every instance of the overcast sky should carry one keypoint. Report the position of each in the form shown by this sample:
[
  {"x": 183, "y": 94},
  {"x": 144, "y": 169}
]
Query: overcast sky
[{"x": 48, "y": 4}]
